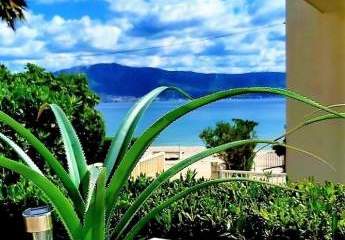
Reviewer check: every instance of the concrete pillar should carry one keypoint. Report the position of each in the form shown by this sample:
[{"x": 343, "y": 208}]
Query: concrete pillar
[{"x": 316, "y": 68}]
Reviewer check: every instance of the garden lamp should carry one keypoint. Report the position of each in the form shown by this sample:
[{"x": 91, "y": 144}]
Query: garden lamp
[{"x": 38, "y": 221}]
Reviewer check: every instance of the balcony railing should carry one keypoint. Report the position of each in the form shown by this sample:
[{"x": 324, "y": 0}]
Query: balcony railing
[{"x": 276, "y": 178}]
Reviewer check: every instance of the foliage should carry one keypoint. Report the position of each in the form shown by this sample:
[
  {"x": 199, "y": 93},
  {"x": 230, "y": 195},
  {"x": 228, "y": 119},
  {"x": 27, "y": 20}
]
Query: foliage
[
  {"x": 236, "y": 159},
  {"x": 21, "y": 96},
  {"x": 242, "y": 211},
  {"x": 12, "y": 10},
  {"x": 90, "y": 194},
  {"x": 234, "y": 211}
]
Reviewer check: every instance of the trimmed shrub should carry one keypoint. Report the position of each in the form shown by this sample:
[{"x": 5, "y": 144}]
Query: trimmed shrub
[
  {"x": 234, "y": 211},
  {"x": 243, "y": 211}
]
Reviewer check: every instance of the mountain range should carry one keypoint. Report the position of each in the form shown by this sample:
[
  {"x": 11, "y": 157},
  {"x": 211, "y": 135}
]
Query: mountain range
[{"x": 115, "y": 80}]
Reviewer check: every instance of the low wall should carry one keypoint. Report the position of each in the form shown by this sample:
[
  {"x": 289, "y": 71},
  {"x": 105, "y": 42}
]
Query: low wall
[{"x": 150, "y": 166}]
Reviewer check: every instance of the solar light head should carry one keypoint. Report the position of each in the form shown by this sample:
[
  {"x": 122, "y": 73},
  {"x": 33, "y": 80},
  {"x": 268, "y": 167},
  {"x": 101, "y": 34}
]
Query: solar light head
[{"x": 38, "y": 221}]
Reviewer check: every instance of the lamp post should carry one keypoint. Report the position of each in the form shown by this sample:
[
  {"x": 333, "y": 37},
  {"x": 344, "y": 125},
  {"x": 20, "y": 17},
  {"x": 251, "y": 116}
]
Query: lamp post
[{"x": 38, "y": 221}]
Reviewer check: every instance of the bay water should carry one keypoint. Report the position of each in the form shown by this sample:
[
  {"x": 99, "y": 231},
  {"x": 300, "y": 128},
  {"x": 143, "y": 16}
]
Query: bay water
[{"x": 268, "y": 112}]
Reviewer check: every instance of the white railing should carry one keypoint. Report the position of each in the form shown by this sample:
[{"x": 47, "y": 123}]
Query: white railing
[{"x": 276, "y": 178}]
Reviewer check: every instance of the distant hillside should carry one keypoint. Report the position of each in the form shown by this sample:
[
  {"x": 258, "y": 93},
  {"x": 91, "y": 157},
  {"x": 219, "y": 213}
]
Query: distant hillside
[{"x": 118, "y": 80}]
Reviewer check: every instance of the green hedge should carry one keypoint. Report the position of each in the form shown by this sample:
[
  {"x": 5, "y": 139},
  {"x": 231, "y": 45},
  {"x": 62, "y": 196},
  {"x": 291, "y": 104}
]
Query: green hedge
[
  {"x": 231, "y": 211},
  {"x": 245, "y": 211}
]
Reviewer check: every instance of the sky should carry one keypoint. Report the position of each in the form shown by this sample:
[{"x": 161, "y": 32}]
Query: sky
[{"x": 209, "y": 36}]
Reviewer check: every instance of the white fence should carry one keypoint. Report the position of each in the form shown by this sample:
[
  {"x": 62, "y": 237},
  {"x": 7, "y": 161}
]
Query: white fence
[
  {"x": 150, "y": 166},
  {"x": 276, "y": 178}
]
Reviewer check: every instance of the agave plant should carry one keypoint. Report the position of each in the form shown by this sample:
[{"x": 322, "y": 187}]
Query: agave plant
[{"x": 86, "y": 201}]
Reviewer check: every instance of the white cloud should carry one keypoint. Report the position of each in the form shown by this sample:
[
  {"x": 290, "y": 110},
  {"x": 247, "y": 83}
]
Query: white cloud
[
  {"x": 102, "y": 37},
  {"x": 184, "y": 28},
  {"x": 7, "y": 36},
  {"x": 138, "y": 7},
  {"x": 32, "y": 48},
  {"x": 215, "y": 17}
]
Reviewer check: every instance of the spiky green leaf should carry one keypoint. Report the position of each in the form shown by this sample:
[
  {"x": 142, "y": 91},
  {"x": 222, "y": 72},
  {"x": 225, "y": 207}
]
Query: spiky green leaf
[
  {"x": 76, "y": 161},
  {"x": 95, "y": 228},
  {"x": 93, "y": 175},
  {"x": 124, "y": 135},
  {"x": 49, "y": 159},
  {"x": 20, "y": 153}
]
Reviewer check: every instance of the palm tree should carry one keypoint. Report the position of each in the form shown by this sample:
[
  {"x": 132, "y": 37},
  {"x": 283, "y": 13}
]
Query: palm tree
[{"x": 11, "y": 11}]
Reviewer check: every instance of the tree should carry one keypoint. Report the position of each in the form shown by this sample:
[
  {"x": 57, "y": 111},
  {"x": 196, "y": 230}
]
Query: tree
[
  {"x": 11, "y": 11},
  {"x": 224, "y": 132},
  {"x": 23, "y": 93},
  {"x": 280, "y": 150}
]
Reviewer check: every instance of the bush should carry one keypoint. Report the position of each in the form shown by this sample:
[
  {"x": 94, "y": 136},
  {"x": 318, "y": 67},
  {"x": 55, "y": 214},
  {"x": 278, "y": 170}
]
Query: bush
[
  {"x": 244, "y": 211},
  {"x": 231, "y": 211},
  {"x": 22, "y": 95}
]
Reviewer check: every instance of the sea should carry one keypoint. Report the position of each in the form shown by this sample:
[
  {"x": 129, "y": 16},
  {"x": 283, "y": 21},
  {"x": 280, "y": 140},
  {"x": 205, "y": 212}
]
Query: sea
[{"x": 269, "y": 113}]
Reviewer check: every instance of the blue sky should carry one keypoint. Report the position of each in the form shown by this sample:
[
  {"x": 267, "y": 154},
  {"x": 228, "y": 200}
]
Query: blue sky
[{"x": 226, "y": 36}]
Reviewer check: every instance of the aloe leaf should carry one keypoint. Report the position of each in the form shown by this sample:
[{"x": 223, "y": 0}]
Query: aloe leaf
[
  {"x": 94, "y": 228},
  {"x": 309, "y": 115},
  {"x": 306, "y": 123},
  {"x": 310, "y": 122},
  {"x": 155, "y": 211},
  {"x": 60, "y": 203},
  {"x": 124, "y": 135},
  {"x": 323, "y": 118},
  {"x": 94, "y": 172},
  {"x": 76, "y": 161},
  {"x": 20, "y": 153},
  {"x": 165, "y": 176},
  {"x": 133, "y": 155},
  {"x": 49, "y": 159}
]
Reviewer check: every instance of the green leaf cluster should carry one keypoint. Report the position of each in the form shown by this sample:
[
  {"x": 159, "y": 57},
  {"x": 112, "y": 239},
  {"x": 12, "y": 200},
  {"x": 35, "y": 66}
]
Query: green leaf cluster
[
  {"x": 241, "y": 210},
  {"x": 23, "y": 93}
]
